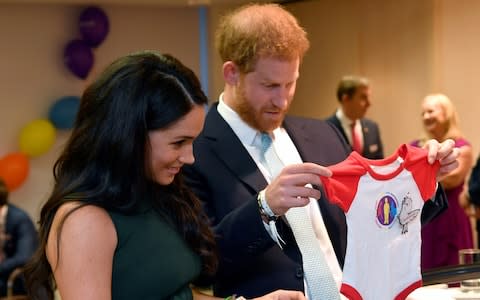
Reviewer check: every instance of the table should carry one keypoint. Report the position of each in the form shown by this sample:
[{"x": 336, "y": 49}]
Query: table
[{"x": 441, "y": 292}]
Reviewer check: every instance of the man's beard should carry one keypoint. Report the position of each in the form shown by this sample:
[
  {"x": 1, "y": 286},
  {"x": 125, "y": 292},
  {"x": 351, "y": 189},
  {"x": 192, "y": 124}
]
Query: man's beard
[{"x": 253, "y": 117}]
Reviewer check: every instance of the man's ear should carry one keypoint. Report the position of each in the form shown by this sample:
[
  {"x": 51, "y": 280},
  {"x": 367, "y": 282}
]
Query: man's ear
[
  {"x": 344, "y": 98},
  {"x": 231, "y": 73}
]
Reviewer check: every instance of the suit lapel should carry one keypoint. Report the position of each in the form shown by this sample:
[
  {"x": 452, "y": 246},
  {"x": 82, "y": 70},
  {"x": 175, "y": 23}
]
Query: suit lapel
[
  {"x": 299, "y": 136},
  {"x": 365, "y": 130},
  {"x": 228, "y": 148},
  {"x": 370, "y": 144}
]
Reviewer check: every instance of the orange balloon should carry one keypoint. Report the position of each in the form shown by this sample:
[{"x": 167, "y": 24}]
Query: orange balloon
[{"x": 14, "y": 169}]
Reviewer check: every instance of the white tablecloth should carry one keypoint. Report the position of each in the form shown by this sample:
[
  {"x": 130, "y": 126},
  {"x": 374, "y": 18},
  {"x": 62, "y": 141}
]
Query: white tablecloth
[{"x": 441, "y": 292}]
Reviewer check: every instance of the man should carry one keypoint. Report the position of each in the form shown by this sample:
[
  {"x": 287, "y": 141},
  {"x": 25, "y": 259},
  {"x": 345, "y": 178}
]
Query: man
[
  {"x": 363, "y": 135},
  {"x": 262, "y": 46},
  {"x": 18, "y": 240}
]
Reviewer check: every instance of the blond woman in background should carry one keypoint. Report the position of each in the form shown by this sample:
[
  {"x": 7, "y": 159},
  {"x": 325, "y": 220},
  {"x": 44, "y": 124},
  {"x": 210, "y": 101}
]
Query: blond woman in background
[{"x": 450, "y": 231}]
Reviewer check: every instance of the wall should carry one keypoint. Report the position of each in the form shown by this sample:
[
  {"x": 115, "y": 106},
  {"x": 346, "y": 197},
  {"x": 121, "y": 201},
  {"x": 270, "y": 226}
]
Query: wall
[
  {"x": 457, "y": 66},
  {"x": 33, "y": 74}
]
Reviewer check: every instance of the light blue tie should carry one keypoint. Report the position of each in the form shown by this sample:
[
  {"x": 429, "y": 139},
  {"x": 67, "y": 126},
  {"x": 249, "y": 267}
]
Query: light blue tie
[{"x": 320, "y": 282}]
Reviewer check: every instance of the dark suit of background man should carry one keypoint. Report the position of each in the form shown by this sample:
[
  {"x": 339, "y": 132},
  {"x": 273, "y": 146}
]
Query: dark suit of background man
[
  {"x": 18, "y": 240},
  {"x": 353, "y": 94},
  {"x": 261, "y": 47}
]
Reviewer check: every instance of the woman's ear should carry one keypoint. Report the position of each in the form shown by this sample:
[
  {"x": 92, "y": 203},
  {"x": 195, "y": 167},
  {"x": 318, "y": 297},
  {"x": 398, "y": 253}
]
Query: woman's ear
[{"x": 231, "y": 73}]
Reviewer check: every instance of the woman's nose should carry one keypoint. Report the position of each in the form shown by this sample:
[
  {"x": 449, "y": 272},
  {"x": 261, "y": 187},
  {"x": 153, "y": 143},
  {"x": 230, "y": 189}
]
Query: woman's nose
[{"x": 187, "y": 156}]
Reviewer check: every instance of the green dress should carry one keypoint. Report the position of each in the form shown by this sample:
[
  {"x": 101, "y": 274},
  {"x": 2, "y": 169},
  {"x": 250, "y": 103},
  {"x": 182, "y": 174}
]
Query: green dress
[{"x": 151, "y": 261}]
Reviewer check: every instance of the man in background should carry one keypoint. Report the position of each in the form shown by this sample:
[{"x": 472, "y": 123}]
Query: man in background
[
  {"x": 363, "y": 135},
  {"x": 18, "y": 241}
]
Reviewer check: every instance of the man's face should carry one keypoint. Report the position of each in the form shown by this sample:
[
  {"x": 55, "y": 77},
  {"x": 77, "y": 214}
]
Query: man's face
[
  {"x": 356, "y": 107},
  {"x": 263, "y": 96}
]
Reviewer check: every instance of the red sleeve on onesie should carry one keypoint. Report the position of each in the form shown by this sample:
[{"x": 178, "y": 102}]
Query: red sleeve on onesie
[{"x": 342, "y": 186}]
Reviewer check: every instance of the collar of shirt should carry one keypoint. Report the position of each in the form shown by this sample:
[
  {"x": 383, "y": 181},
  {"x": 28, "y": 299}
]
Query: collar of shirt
[
  {"x": 345, "y": 122},
  {"x": 244, "y": 132},
  {"x": 251, "y": 139},
  {"x": 247, "y": 135}
]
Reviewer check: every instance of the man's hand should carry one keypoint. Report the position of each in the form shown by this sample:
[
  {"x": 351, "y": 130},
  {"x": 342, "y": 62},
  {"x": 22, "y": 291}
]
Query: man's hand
[
  {"x": 446, "y": 153},
  {"x": 283, "y": 295},
  {"x": 288, "y": 188}
]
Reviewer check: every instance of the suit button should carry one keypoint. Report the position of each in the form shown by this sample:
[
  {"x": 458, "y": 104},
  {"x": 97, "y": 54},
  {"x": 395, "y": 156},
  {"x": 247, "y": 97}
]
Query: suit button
[{"x": 299, "y": 273}]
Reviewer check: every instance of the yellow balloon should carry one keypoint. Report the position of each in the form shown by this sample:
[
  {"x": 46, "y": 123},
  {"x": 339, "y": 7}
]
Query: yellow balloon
[{"x": 37, "y": 137}]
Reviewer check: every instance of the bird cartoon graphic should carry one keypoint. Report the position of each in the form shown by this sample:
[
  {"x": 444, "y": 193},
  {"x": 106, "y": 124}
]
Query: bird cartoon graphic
[{"x": 406, "y": 214}]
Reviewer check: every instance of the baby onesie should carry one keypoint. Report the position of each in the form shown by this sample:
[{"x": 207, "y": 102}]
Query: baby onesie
[{"x": 382, "y": 201}]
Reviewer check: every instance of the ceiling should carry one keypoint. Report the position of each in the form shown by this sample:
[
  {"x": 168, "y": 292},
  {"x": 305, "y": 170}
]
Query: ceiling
[{"x": 136, "y": 2}]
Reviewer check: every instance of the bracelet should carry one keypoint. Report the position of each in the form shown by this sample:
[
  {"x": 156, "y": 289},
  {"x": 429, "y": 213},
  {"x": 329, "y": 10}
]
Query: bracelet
[
  {"x": 234, "y": 297},
  {"x": 265, "y": 210}
]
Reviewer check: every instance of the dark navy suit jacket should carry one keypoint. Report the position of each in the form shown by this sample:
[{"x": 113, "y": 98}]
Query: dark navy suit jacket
[
  {"x": 227, "y": 180},
  {"x": 372, "y": 143}
]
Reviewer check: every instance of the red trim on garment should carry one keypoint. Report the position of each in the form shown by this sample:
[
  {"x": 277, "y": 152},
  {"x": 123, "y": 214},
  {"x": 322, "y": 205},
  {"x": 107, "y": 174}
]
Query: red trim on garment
[
  {"x": 350, "y": 292},
  {"x": 404, "y": 294}
]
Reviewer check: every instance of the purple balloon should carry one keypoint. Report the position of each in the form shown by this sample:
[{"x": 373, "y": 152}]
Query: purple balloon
[
  {"x": 78, "y": 57},
  {"x": 94, "y": 25}
]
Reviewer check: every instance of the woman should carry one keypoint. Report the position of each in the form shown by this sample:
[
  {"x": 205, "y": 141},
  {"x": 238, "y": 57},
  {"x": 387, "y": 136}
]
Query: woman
[
  {"x": 120, "y": 223},
  {"x": 450, "y": 231}
]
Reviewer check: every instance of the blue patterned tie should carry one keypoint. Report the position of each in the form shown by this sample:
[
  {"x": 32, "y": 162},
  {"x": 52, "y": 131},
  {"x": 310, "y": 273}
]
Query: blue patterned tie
[{"x": 320, "y": 282}]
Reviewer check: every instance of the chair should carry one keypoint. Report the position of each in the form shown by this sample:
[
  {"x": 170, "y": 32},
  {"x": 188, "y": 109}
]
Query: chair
[{"x": 14, "y": 276}]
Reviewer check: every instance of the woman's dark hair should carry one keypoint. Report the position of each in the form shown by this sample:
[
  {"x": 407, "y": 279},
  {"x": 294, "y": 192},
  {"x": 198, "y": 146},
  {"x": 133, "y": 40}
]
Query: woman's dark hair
[{"x": 103, "y": 162}]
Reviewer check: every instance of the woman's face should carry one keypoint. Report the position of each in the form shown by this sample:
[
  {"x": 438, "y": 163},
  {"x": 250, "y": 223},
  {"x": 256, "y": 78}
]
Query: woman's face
[
  {"x": 171, "y": 148},
  {"x": 433, "y": 116}
]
